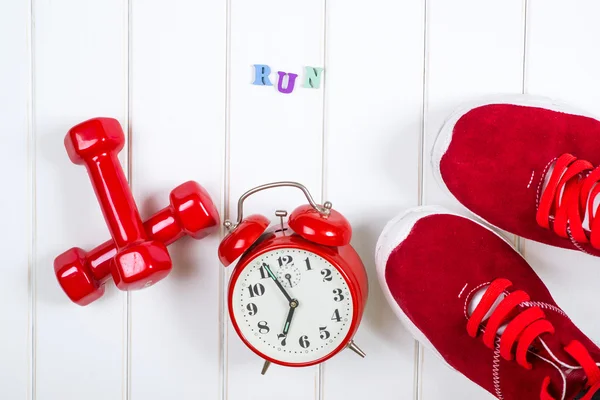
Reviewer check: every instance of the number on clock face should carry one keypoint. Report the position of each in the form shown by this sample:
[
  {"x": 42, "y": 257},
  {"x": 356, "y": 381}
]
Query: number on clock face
[{"x": 319, "y": 323}]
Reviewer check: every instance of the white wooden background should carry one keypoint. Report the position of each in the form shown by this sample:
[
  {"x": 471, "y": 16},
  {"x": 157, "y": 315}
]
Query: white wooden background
[{"x": 177, "y": 74}]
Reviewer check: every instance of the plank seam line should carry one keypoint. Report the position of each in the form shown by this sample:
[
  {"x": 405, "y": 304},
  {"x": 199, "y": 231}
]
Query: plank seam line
[
  {"x": 519, "y": 242},
  {"x": 32, "y": 228},
  {"x": 128, "y": 117},
  {"x": 225, "y": 198},
  {"x": 418, "y": 356},
  {"x": 320, "y": 395}
]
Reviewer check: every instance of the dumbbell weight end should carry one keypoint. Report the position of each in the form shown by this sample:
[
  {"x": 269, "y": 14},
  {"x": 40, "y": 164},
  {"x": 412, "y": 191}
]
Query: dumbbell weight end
[{"x": 191, "y": 212}]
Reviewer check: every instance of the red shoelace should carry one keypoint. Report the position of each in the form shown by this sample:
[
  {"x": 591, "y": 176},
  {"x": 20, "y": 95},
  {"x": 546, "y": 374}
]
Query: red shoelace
[
  {"x": 523, "y": 328},
  {"x": 569, "y": 193}
]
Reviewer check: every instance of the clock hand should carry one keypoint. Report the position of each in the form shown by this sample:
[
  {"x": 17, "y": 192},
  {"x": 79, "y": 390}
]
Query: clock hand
[
  {"x": 288, "y": 321},
  {"x": 293, "y": 302},
  {"x": 289, "y": 279},
  {"x": 279, "y": 285}
]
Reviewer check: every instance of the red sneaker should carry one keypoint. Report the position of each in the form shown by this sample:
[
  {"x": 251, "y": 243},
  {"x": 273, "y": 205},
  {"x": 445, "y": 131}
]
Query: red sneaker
[
  {"x": 468, "y": 296},
  {"x": 526, "y": 165}
]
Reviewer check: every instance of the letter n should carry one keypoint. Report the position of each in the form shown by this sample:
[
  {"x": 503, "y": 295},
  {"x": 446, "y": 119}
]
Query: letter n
[{"x": 312, "y": 78}]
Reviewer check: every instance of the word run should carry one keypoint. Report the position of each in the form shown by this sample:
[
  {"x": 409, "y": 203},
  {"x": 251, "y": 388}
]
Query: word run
[{"x": 312, "y": 78}]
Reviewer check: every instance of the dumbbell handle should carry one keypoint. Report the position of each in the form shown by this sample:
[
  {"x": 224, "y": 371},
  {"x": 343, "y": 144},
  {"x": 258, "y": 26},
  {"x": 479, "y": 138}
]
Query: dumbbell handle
[
  {"x": 162, "y": 227},
  {"x": 116, "y": 200}
]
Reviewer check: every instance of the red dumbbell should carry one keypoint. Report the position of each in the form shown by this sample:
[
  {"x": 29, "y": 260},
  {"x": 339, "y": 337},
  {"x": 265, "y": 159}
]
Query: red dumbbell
[
  {"x": 82, "y": 274},
  {"x": 138, "y": 261}
]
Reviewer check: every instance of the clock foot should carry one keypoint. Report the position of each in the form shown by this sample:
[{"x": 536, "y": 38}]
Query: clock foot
[
  {"x": 265, "y": 367},
  {"x": 352, "y": 346}
]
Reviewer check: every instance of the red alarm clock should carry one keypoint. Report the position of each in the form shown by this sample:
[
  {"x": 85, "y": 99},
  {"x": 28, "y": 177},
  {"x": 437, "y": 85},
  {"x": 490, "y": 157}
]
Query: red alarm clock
[{"x": 298, "y": 292}]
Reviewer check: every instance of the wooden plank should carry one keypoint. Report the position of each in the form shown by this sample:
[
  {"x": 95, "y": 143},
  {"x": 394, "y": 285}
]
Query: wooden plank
[
  {"x": 273, "y": 136},
  {"x": 14, "y": 175},
  {"x": 177, "y": 119},
  {"x": 79, "y": 73},
  {"x": 475, "y": 49},
  {"x": 372, "y": 132},
  {"x": 561, "y": 64}
]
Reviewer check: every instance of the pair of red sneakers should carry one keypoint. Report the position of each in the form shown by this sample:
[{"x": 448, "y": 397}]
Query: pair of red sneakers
[{"x": 527, "y": 166}]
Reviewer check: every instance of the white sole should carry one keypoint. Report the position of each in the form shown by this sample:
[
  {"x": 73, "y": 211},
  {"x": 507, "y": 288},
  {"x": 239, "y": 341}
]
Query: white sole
[
  {"x": 394, "y": 233},
  {"x": 444, "y": 136}
]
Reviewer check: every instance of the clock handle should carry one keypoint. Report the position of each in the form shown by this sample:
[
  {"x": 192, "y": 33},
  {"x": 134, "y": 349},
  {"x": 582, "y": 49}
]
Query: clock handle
[{"x": 324, "y": 209}]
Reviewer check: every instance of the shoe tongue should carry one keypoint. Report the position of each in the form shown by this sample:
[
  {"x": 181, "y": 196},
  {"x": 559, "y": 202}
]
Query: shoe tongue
[
  {"x": 553, "y": 351},
  {"x": 596, "y": 204},
  {"x": 551, "y": 347},
  {"x": 596, "y": 200}
]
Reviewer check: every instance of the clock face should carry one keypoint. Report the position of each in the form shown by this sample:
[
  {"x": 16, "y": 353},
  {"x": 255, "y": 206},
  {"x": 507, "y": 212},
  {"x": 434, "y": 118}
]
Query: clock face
[{"x": 292, "y": 306}]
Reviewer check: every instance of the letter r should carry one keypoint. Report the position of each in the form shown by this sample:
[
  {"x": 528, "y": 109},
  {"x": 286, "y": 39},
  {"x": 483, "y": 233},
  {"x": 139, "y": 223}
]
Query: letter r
[{"x": 261, "y": 75}]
